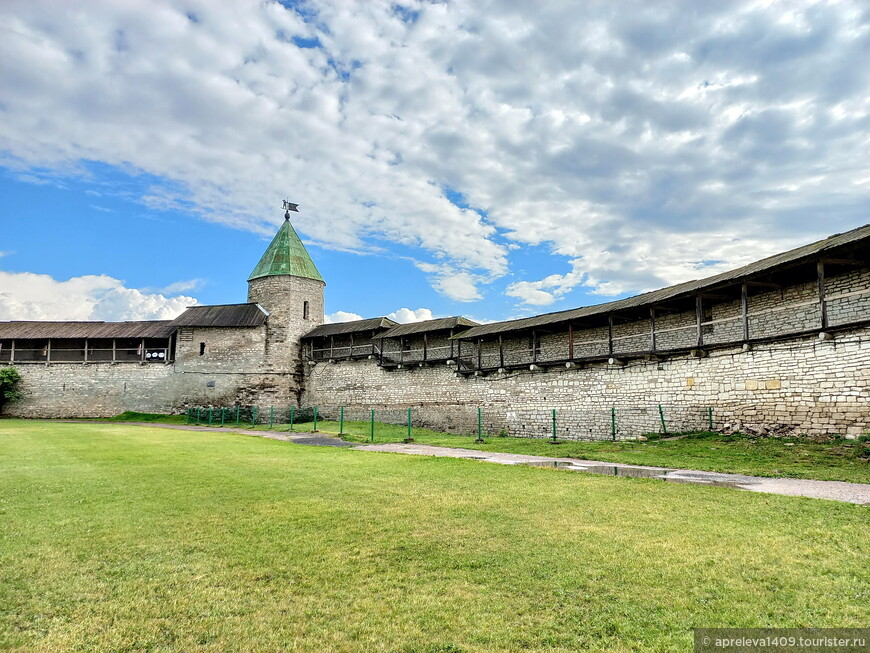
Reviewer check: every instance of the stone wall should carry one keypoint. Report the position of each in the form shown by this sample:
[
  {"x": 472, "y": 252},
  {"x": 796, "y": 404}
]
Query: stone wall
[{"x": 805, "y": 385}]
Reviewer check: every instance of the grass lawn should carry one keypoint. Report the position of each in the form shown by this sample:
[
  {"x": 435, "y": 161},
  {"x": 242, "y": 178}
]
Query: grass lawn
[
  {"x": 834, "y": 460},
  {"x": 123, "y": 538}
]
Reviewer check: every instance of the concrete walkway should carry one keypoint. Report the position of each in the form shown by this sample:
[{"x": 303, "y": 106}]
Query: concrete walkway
[{"x": 834, "y": 490}]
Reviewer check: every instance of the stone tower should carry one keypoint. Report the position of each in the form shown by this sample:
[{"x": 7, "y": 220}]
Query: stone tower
[{"x": 287, "y": 284}]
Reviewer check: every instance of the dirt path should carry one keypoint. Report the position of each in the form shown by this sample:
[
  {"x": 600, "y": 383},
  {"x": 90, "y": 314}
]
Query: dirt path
[{"x": 834, "y": 490}]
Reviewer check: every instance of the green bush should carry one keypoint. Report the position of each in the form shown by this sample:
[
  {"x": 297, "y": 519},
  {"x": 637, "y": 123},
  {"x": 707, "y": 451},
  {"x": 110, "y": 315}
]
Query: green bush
[{"x": 9, "y": 390}]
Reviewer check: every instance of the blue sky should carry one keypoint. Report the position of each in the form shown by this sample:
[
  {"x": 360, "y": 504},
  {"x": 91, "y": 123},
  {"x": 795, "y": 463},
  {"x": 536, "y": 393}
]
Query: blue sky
[{"x": 542, "y": 157}]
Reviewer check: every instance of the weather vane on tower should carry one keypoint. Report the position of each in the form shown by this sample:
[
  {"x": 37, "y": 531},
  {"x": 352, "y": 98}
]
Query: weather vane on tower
[{"x": 289, "y": 206}]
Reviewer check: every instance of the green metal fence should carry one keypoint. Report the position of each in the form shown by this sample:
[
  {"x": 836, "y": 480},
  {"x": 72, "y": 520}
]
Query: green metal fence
[{"x": 566, "y": 423}]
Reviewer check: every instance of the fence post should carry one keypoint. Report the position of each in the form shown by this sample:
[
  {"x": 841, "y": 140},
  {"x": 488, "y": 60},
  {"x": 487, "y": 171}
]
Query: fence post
[
  {"x": 223, "y": 415},
  {"x": 238, "y": 415},
  {"x": 554, "y": 426},
  {"x": 662, "y": 416},
  {"x": 188, "y": 415},
  {"x": 315, "y": 420},
  {"x": 479, "y": 425},
  {"x": 198, "y": 415},
  {"x": 709, "y": 418},
  {"x": 254, "y": 416},
  {"x": 613, "y": 423},
  {"x": 210, "y": 413},
  {"x": 372, "y": 438},
  {"x": 271, "y": 416},
  {"x": 292, "y": 416},
  {"x": 341, "y": 421},
  {"x": 409, "y": 438}
]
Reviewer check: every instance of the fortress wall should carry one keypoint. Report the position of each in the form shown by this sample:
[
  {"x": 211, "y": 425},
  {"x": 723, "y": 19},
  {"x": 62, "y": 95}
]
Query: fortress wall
[
  {"x": 805, "y": 384},
  {"x": 93, "y": 389}
]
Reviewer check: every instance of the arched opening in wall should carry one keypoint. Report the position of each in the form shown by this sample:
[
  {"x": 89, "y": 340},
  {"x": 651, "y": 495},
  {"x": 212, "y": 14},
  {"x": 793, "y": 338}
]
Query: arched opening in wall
[
  {"x": 201, "y": 348},
  {"x": 304, "y": 310}
]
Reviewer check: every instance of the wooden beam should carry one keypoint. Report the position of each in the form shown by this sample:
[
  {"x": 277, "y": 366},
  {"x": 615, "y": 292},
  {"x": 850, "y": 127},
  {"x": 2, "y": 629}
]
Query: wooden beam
[
  {"x": 764, "y": 284},
  {"x": 425, "y": 345},
  {"x": 823, "y": 304},
  {"x": 534, "y": 346},
  {"x": 500, "y": 351},
  {"x": 744, "y": 309},
  {"x": 699, "y": 318},
  {"x": 479, "y": 353},
  {"x": 570, "y": 341},
  {"x": 331, "y": 345},
  {"x": 86, "y": 351},
  {"x": 652, "y": 332},
  {"x": 610, "y": 335},
  {"x": 451, "y": 343},
  {"x": 708, "y": 295},
  {"x": 843, "y": 261}
]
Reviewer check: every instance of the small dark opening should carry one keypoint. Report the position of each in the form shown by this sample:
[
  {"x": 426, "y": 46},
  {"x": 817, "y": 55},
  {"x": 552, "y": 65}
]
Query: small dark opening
[
  {"x": 304, "y": 310},
  {"x": 201, "y": 348}
]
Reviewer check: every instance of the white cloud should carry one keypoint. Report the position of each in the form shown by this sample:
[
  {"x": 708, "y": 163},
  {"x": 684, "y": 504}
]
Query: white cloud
[
  {"x": 402, "y": 315},
  {"x": 341, "y": 316},
  {"x": 182, "y": 286},
  {"x": 27, "y": 296},
  {"x": 405, "y": 315},
  {"x": 634, "y": 143}
]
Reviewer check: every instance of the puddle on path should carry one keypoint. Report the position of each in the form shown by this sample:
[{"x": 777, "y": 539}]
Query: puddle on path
[{"x": 674, "y": 476}]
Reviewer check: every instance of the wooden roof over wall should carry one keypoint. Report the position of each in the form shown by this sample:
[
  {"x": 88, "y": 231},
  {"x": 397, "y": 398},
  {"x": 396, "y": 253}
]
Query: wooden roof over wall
[
  {"x": 42, "y": 330},
  {"x": 223, "y": 315}
]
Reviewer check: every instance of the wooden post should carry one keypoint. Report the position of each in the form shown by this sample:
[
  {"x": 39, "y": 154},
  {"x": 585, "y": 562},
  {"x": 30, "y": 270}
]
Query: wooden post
[
  {"x": 610, "y": 335},
  {"x": 500, "y": 351},
  {"x": 381, "y": 354},
  {"x": 699, "y": 317},
  {"x": 401, "y": 350},
  {"x": 114, "y": 351},
  {"x": 142, "y": 355},
  {"x": 86, "y": 351},
  {"x": 652, "y": 333},
  {"x": 331, "y": 346},
  {"x": 48, "y": 351},
  {"x": 534, "y": 346},
  {"x": 479, "y": 353},
  {"x": 374, "y": 333},
  {"x": 12, "y": 352},
  {"x": 458, "y": 354},
  {"x": 823, "y": 304},
  {"x": 744, "y": 309},
  {"x": 351, "y": 345},
  {"x": 425, "y": 346},
  {"x": 570, "y": 341},
  {"x": 451, "y": 343}
]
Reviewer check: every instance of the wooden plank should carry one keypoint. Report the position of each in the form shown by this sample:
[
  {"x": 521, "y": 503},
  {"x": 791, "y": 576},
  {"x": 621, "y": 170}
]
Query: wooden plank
[
  {"x": 500, "y": 351},
  {"x": 479, "y": 353},
  {"x": 699, "y": 318},
  {"x": 652, "y": 332},
  {"x": 425, "y": 345},
  {"x": 744, "y": 309}
]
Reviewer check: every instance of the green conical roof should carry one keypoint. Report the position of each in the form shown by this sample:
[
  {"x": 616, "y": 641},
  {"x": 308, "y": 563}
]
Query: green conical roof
[{"x": 286, "y": 255}]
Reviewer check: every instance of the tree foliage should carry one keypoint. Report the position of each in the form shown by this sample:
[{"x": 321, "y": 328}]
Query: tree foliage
[{"x": 9, "y": 382}]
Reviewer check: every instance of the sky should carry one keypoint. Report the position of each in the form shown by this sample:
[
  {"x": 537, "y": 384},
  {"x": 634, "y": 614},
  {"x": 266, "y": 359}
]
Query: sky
[{"x": 488, "y": 159}]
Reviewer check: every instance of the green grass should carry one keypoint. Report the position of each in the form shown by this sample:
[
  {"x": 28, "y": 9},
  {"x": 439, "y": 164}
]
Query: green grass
[
  {"x": 132, "y": 416},
  {"x": 122, "y": 538},
  {"x": 824, "y": 459}
]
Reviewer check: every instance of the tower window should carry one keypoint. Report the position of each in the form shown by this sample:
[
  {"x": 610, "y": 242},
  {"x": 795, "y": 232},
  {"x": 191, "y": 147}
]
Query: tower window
[
  {"x": 201, "y": 348},
  {"x": 304, "y": 310}
]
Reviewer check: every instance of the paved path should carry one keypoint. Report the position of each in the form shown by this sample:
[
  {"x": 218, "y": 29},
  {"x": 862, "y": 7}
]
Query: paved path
[{"x": 835, "y": 490}]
